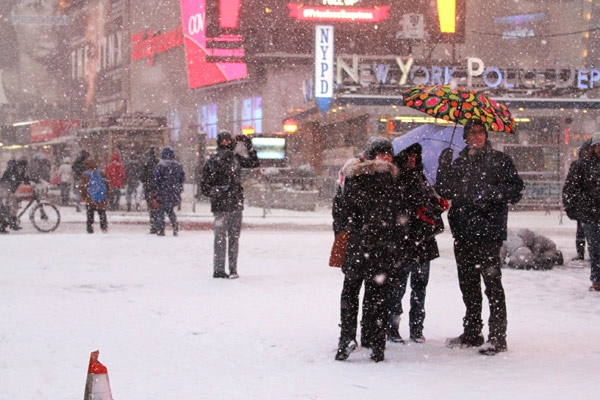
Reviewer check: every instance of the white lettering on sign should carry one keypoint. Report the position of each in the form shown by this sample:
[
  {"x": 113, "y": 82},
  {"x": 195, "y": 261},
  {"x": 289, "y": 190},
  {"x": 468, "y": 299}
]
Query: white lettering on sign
[{"x": 195, "y": 24}]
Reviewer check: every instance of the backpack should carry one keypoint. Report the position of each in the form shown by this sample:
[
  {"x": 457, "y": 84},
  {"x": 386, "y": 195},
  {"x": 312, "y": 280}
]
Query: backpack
[{"x": 97, "y": 187}]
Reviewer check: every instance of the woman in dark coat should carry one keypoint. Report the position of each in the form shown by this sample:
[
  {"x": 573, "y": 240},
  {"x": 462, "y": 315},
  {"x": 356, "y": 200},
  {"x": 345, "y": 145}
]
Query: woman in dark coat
[
  {"x": 366, "y": 208},
  {"x": 416, "y": 243}
]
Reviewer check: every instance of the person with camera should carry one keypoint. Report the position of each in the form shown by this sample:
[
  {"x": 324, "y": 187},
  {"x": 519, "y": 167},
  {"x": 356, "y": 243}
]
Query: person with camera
[{"x": 222, "y": 183}]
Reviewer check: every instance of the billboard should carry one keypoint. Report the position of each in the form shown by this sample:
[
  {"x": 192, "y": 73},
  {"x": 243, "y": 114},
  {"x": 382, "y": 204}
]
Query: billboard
[{"x": 200, "y": 71}]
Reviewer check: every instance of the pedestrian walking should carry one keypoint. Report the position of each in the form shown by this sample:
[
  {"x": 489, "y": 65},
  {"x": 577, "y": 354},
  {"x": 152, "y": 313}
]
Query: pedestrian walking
[
  {"x": 65, "y": 174},
  {"x": 78, "y": 168},
  {"x": 222, "y": 183},
  {"x": 481, "y": 183},
  {"x": 133, "y": 170},
  {"x": 13, "y": 176},
  {"x": 571, "y": 207},
  {"x": 416, "y": 242},
  {"x": 168, "y": 178},
  {"x": 116, "y": 174},
  {"x": 94, "y": 187},
  {"x": 150, "y": 192},
  {"x": 581, "y": 198},
  {"x": 366, "y": 208}
]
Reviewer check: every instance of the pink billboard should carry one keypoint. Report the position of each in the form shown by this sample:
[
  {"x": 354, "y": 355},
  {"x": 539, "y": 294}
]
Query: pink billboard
[{"x": 201, "y": 72}]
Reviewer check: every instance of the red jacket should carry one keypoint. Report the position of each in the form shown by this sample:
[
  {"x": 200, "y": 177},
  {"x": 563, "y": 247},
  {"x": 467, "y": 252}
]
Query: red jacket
[{"x": 115, "y": 171}]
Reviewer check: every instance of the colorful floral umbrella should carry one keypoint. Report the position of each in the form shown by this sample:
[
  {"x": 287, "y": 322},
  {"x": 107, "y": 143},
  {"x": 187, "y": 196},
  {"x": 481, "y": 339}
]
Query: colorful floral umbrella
[{"x": 460, "y": 105}]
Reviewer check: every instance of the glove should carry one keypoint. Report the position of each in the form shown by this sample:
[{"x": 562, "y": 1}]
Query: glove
[
  {"x": 444, "y": 204},
  {"x": 445, "y": 158},
  {"x": 421, "y": 215}
]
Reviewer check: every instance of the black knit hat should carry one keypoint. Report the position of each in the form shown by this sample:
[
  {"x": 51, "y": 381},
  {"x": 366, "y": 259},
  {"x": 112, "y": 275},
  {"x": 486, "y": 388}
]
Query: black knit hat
[
  {"x": 223, "y": 135},
  {"x": 378, "y": 145}
]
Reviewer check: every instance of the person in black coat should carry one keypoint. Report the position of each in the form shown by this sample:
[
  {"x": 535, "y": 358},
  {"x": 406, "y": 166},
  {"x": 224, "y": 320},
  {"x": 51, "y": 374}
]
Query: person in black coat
[
  {"x": 481, "y": 183},
  {"x": 168, "y": 178},
  {"x": 222, "y": 183},
  {"x": 15, "y": 173},
  {"x": 78, "y": 168},
  {"x": 571, "y": 208},
  {"x": 366, "y": 208},
  {"x": 417, "y": 245},
  {"x": 150, "y": 192},
  {"x": 581, "y": 198}
]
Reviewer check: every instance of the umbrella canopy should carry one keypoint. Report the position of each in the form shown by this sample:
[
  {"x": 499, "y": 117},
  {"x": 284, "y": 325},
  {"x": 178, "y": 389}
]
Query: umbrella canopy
[
  {"x": 460, "y": 105},
  {"x": 433, "y": 139}
]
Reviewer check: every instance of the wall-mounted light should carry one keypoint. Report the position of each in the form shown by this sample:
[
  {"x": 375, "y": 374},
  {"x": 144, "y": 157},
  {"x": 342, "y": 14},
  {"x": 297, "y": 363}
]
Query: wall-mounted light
[{"x": 290, "y": 125}]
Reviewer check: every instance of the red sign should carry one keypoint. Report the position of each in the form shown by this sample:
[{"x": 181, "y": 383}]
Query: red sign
[
  {"x": 44, "y": 131},
  {"x": 340, "y": 14},
  {"x": 201, "y": 72},
  {"x": 141, "y": 48}
]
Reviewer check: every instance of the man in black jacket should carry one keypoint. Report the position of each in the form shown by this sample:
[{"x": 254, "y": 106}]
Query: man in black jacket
[
  {"x": 581, "y": 198},
  {"x": 366, "y": 208},
  {"x": 222, "y": 183},
  {"x": 78, "y": 169},
  {"x": 481, "y": 183}
]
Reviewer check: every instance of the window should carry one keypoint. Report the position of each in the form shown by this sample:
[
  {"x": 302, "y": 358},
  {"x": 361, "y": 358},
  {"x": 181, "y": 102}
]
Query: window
[
  {"x": 252, "y": 113},
  {"x": 207, "y": 120}
]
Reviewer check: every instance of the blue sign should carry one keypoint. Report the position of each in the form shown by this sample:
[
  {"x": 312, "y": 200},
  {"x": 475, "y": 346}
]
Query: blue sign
[{"x": 324, "y": 66}]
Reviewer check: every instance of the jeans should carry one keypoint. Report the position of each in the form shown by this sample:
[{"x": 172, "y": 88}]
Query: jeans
[
  {"x": 474, "y": 260},
  {"x": 136, "y": 192},
  {"x": 592, "y": 236},
  {"x": 228, "y": 226},
  {"x": 419, "y": 278},
  {"x": 160, "y": 218},
  {"x": 114, "y": 198},
  {"x": 90, "y": 219},
  {"x": 65, "y": 191}
]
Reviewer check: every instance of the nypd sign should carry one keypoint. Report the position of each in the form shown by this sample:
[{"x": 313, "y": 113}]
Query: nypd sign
[{"x": 324, "y": 66}]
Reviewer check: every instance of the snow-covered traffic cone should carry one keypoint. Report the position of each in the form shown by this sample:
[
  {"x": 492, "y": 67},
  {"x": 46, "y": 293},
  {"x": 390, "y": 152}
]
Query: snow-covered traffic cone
[{"x": 97, "y": 386}]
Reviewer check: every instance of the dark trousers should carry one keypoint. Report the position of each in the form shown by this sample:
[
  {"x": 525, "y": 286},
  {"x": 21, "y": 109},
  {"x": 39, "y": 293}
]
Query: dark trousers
[
  {"x": 114, "y": 198},
  {"x": 374, "y": 310},
  {"x": 90, "y": 218},
  {"x": 65, "y": 191},
  {"x": 592, "y": 235},
  {"x": 160, "y": 217},
  {"x": 419, "y": 278},
  {"x": 228, "y": 226},
  {"x": 153, "y": 220},
  {"x": 477, "y": 259},
  {"x": 580, "y": 240}
]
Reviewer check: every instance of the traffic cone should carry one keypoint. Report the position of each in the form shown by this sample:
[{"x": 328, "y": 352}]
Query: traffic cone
[{"x": 97, "y": 386}]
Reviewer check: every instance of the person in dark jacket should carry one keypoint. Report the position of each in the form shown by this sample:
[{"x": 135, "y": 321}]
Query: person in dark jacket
[
  {"x": 584, "y": 151},
  {"x": 581, "y": 198},
  {"x": 150, "y": 192},
  {"x": 481, "y": 183},
  {"x": 222, "y": 183},
  {"x": 168, "y": 177},
  {"x": 78, "y": 168},
  {"x": 416, "y": 242},
  {"x": 366, "y": 207},
  {"x": 15, "y": 173},
  {"x": 133, "y": 170}
]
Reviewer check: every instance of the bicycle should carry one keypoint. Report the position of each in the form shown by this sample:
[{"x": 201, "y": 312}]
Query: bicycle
[{"x": 44, "y": 216}]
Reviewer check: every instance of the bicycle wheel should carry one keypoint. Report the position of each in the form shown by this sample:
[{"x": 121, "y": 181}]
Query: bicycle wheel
[{"x": 45, "y": 217}]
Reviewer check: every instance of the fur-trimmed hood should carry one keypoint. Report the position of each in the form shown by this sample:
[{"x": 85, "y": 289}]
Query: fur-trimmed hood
[{"x": 356, "y": 167}]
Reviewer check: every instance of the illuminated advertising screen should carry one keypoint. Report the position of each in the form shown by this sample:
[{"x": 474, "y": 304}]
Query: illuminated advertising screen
[
  {"x": 269, "y": 148},
  {"x": 200, "y": 71}
]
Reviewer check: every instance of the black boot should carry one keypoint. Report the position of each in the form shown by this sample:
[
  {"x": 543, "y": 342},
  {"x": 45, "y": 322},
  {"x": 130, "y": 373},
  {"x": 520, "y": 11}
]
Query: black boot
[
  {"x": 345, "y": 347},
  {"x": 14, "y": 224},
  {"x": 465, "y": 341},
  {"x": 394, "y": 336},
  {"x": 377, "y": 355}
]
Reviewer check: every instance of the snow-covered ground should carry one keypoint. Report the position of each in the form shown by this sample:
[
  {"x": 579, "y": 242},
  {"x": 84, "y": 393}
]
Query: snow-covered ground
[{"x": 167, "y": 330}]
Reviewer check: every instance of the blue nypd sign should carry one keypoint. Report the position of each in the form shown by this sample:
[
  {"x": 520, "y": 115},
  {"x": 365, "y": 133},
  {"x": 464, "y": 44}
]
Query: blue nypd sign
[{"x": 324, "y": 66}]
